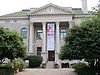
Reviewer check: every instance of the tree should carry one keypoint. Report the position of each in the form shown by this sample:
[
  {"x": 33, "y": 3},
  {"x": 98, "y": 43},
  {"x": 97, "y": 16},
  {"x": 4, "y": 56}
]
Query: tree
[
  {"x": 11, "y": 45},
  {"x": 83, "y": 42}
]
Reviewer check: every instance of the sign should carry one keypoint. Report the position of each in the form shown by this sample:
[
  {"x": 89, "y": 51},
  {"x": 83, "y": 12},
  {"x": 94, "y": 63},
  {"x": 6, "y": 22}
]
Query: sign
[
  {"x": 75, "y": 61},
  {"x": 50, "y": 36}
]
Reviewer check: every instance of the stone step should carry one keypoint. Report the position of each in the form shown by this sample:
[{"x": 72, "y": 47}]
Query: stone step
[{"x": 50, "y": 64}]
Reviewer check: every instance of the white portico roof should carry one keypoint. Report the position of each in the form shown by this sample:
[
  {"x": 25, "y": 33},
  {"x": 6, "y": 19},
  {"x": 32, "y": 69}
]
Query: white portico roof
[{"x": 55, "y": 10}]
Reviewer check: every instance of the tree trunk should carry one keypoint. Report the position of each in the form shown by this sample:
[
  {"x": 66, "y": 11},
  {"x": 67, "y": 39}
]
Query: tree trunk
[{"x": 92, "y": 65}]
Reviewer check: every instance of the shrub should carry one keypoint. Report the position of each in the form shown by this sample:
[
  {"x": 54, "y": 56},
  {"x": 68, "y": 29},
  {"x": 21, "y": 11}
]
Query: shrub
[
  {"x": 10, "y": 64},
  {"x": 17, "y": 64},
  {"x": 22, "y": 65},
  {"x": 56, "y": 65},
  {"x": 84, "y": 69},
  {"x": 6, "y": 71},
  {"x": 3, "y": 65},
  {"x": 34, "y": 61},
  {"x": 88, "y": 71},
  {"x": 43, "y": 65},
  {"x": 79, "y": 66}
]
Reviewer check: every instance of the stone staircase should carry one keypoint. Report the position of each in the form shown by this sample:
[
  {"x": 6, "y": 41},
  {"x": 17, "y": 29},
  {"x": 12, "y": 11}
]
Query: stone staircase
[{"x": 50, "y": 65}]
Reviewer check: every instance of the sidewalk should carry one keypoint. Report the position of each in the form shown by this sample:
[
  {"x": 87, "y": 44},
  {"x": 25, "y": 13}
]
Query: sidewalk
[{"x": 47, "y": 72}]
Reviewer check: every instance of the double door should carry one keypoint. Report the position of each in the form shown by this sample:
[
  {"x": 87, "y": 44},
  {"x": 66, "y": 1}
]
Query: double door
[{"x": 51, "y": 55}]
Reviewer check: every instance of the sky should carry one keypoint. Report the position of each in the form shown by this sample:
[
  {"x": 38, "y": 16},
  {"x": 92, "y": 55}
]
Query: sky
[{"x": 10, "y": 6}]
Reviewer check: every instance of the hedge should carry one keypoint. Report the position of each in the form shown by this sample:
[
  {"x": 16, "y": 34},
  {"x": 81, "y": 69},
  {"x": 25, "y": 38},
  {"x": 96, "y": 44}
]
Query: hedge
[
  {"x": 34, "y": 61},
  {"x": 88, "y": 72},
  {"x": 84, "y": 69},
  {"x": 6, "y": 71}
]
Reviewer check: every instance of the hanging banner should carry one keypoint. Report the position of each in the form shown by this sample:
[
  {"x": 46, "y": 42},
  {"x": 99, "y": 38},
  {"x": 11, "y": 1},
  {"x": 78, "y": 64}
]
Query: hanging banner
[{"x": 50, "y": 36}]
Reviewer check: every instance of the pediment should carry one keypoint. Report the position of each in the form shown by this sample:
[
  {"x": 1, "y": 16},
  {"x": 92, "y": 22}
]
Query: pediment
[{"x": 51, "y": 9}]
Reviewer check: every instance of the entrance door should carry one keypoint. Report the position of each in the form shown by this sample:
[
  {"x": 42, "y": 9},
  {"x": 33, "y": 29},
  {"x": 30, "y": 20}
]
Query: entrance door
[{"x": 51, "y": 55}]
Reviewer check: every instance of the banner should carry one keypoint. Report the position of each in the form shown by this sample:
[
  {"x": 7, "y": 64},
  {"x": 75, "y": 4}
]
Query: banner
[{"x": 50, "y": 36}]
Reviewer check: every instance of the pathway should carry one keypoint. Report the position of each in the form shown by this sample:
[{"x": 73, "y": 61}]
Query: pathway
[{"x": 47, "y": 72}]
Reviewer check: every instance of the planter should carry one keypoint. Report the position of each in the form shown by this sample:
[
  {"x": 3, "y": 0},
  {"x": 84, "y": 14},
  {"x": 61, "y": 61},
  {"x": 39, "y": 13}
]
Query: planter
[
  {"x": 56, "y": 65},
  {"x": 43, "y": 65}
]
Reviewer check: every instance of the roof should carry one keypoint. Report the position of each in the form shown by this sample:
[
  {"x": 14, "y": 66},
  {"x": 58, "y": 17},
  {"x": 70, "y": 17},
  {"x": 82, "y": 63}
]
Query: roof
[
  {"x": 53, "y": 5},
  {"x": 77, "y": 11},
  {"x": 22, "y": 13}
]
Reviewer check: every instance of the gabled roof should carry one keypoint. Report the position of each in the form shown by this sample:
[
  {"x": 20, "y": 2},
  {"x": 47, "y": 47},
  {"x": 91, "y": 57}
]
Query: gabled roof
[
  {"x": 24, "y": 13},
  {"x": 53, "y": 5},
  {"x": 78, "y": 11}
]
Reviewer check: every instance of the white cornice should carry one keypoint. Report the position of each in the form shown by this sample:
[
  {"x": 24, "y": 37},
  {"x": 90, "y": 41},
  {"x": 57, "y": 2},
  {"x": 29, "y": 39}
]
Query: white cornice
[
  {"x": 49, "y": 14},
  {"x": 82, "y": 16},
  {"x": 10, "y": 18}
]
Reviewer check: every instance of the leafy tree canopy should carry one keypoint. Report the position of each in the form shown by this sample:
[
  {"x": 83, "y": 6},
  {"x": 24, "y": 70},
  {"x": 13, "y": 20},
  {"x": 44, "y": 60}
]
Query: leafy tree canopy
[
  {"x": 83, "y": 41},
  {"x": 11, "y": 45}
]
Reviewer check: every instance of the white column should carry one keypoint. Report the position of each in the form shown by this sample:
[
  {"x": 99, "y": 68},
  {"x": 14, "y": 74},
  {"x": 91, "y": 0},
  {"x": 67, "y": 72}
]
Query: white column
[
  {"x": 31, "y": 38},
  {"x": 44, "y": 53},
  {"x": 44, "y": 37},
  {"x": 57, "y": 37},
  {"x": 57, "y": 44}
]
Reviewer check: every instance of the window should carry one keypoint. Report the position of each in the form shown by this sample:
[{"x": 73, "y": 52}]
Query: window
[
  {"x": 15, "y": 21},
  {"x": 62, "y": 33},
  {"x": 7, "y": 21},
  {"x": 39, "y": 49},
  {"x": 24, "y": 33},
  {"x": 39, "y": 34}
]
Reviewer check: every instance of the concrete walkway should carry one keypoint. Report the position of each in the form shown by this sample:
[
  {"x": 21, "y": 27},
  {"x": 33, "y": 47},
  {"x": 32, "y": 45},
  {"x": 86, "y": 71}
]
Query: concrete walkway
[{"x": 47, "y": 72}]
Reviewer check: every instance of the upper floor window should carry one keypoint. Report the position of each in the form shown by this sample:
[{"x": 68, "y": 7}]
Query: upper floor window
[
  {"x": 7, "y": 21},
  {"x": 24, "y": 33},
  {"x": 62, "y": 33},
  {"x": 39, "y": 34}
]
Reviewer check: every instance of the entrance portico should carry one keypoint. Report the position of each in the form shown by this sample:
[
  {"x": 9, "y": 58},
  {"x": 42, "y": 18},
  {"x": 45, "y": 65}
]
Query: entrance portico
[
  {"x": 47, "y": 54},
  {"x": 40, "y": 19}
]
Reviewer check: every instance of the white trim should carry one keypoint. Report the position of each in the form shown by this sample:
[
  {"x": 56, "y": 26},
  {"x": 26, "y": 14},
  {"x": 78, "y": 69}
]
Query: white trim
[
  {"x": 6, "y": 18},
  {"x": 53, "y": 5},
  {"x": 79, "y": 16}
]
